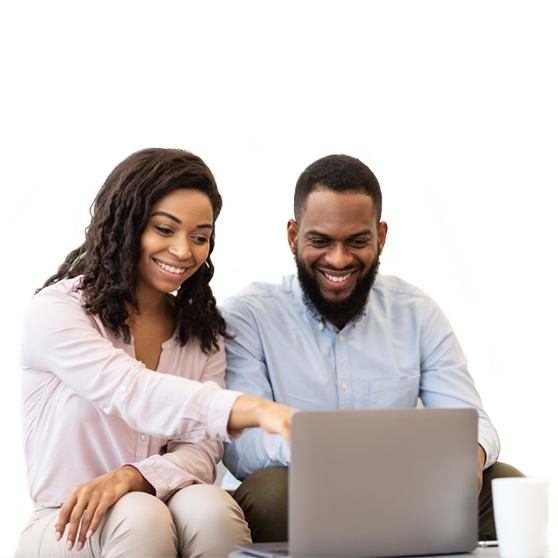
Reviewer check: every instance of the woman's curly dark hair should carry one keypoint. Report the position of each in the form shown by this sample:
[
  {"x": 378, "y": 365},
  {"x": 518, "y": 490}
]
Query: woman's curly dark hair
[{"x": 108, "y": 259}]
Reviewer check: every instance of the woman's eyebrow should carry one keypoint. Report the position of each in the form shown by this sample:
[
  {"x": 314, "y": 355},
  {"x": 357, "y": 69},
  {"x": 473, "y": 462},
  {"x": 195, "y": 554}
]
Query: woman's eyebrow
[
  {"x": 178, "y": 221},
  {"x": 164, "y": 214}
]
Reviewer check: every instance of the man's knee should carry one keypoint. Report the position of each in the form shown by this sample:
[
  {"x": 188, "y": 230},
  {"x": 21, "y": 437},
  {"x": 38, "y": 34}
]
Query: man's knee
[
  {"x": 263, "y": 497},
  {"x": 500, "y": 470},
  {"x": 487, "y": 529}
]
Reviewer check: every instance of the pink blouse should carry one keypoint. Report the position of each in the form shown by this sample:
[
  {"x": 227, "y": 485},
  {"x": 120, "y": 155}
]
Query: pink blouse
[{"x": 90, "y": 407}]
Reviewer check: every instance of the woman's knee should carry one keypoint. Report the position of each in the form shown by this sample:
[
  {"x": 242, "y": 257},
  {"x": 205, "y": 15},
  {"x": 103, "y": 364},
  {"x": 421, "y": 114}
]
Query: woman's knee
[
  {"x": 138, "y": 522},
  {"x": 204, "y": 504}
]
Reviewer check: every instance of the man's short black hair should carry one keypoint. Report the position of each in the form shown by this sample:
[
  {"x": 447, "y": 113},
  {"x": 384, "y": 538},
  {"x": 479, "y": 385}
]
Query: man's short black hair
[{"x": 339, "y": 173}]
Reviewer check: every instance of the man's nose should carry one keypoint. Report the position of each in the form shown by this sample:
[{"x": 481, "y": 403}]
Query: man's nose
[{"x": 338, "y": 255}]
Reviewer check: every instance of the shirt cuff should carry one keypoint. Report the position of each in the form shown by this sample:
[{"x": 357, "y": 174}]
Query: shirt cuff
[
  {"x": 491, "y": 454},
  {"x": 148, "y": 472},
  {"x": 219, "y": 413}
]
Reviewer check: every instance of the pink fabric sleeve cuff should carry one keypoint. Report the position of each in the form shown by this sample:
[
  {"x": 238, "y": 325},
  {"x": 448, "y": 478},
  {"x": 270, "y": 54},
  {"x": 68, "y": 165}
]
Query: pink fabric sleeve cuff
[{"x": 218, "y": 416}]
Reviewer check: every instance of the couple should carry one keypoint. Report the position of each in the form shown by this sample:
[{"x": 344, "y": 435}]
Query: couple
[{"x": 125, "y": 411}]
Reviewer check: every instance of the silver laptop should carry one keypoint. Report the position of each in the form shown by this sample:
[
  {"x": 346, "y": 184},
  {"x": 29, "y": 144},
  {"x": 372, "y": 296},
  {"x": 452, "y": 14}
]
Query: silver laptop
[{"x": 373, "y": 483}]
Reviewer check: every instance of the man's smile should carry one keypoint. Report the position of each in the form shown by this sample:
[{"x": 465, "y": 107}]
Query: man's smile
[{"x": 336, "y": 278}]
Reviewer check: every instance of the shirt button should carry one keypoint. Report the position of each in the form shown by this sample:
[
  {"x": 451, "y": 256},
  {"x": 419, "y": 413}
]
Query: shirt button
[
  {"x": 340, "y": 338},
  {"x": 122, "y": 388},
  {"x": 143, "y": 437},
  {"x": 344, "y": 385}
]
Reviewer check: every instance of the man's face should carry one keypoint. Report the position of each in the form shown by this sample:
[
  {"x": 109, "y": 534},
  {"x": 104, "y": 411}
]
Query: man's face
[{"x": 336, "y": 245}]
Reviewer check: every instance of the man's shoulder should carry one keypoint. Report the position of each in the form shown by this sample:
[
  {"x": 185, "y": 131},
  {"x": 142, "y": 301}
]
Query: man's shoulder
[
  {"x": 260, "y": 291},
  {"x": 392, "y": 292}
]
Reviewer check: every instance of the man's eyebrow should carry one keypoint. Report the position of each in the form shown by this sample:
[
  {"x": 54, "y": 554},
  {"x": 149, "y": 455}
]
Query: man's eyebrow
[{"x": 366, "y": 232}]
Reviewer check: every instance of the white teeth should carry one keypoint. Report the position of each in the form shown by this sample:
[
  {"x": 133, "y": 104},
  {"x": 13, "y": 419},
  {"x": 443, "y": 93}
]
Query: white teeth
[
  {"x": 177, "y": 270},
  {"x": 337, "y": 279}
]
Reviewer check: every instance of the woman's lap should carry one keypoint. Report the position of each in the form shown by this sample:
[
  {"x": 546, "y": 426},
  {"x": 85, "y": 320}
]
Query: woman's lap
[{"x": 199, "y": 520}]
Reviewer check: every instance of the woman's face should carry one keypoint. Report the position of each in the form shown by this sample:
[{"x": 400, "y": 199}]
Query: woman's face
[{"x": 175, "y": 242}]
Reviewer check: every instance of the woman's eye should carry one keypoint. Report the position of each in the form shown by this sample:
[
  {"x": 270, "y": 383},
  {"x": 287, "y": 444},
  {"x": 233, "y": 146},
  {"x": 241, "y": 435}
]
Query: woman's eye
[
  {"x": 201, "y": 239},
  {"x": 163, "y": 230}
]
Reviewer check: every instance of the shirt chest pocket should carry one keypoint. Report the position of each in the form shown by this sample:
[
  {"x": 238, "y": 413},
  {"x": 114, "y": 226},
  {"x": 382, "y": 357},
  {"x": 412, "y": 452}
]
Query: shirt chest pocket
[{"x": 393, "y": 393}]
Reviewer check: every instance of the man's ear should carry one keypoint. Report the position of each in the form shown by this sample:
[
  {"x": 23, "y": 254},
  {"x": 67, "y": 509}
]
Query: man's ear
[
  {"x": 292, "y": 234},
  {"x": 382, "y": 234}
]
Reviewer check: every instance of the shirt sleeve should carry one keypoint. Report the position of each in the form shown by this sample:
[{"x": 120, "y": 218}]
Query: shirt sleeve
[
  {"x": 247, "y": 372},
  {"x": 185, "y": 463},
  {"x": 62, "y": 338},
  {"x": 445, "y": 380}
]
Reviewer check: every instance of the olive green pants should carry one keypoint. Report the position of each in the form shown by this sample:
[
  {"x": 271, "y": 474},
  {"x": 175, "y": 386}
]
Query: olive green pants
[{"x": 263, "y": 498}]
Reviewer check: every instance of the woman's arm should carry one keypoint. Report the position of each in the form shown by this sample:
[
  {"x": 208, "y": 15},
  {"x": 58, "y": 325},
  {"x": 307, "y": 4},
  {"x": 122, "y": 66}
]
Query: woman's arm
[
  {"x": 87, "y": 503},
  {"x": 249, "y": 411}
]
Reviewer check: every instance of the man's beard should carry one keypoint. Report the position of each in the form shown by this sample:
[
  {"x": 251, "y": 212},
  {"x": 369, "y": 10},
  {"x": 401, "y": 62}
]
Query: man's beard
[{"x": 336, "y": 310}]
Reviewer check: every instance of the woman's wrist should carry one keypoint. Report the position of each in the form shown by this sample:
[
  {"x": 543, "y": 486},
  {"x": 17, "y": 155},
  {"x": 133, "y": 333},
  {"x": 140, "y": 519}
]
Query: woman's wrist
[
  {"x": 249, "y": 412},
  {"x": 135, "y": 480},
  {"x": 246, "y": 413}
]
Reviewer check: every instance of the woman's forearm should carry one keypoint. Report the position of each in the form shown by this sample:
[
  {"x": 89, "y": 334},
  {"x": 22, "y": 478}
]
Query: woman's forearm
[{"x": 249, "y": 412}]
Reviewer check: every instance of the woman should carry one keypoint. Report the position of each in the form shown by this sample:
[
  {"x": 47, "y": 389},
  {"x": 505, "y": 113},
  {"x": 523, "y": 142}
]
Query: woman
[{"x": 124, "y": 408}]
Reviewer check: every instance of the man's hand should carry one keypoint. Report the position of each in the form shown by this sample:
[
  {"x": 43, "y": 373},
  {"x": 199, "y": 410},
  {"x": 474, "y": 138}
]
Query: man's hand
[
  {"x": 87, "y": 503},
  {"x": 249, "y": 411},
  {"x": 482, "y": 459}
]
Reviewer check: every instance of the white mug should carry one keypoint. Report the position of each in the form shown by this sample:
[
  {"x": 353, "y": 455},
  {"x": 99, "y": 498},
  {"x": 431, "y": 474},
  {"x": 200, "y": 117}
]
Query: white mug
[{"x": 521, "y": 516}]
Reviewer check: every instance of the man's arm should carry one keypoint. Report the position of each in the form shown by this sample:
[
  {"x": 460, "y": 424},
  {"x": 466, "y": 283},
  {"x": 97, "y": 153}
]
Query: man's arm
[
  {"x": 247, "y": 372},
  {"x": 446, "y": 381}
]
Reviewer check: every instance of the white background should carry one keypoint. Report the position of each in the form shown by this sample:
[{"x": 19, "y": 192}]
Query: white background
[{"x": 452, "y": 104}]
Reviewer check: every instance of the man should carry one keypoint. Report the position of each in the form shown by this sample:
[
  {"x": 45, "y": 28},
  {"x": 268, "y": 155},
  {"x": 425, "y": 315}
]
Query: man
[{"x": 340, "y": 336}]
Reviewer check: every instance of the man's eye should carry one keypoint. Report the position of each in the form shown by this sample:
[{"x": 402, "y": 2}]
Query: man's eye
[{"x": 318, "y": 241}]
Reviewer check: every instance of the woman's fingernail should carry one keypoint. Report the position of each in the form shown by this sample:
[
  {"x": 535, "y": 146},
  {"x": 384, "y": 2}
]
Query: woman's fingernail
[
  {"x": 57, "y": 536},
  {"x": 89, "y": 534},
  {"x": 79, "y": 546},
  {"x": 69, "y": 545}
]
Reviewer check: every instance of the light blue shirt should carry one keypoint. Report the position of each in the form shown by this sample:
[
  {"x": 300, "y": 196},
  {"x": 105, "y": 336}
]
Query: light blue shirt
[{"x": 400, "y": 349}]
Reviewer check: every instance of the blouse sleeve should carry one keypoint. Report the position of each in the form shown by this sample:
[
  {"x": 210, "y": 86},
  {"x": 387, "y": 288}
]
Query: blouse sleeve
[
  {"x": 185, "y": 463},
  {"x": 60, "y": 337}
]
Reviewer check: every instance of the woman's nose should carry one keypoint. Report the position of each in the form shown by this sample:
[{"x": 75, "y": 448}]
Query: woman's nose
[{"x": 180, "y": 249}]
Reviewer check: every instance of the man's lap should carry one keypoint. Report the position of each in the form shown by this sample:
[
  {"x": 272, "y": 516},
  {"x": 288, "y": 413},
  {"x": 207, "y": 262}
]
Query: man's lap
[{"x": 263, "y": 498}]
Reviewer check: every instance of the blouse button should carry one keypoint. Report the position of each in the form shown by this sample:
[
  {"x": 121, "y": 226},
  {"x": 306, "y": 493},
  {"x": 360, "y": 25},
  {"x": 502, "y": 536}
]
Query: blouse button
[{"x": 143, "y": 437}]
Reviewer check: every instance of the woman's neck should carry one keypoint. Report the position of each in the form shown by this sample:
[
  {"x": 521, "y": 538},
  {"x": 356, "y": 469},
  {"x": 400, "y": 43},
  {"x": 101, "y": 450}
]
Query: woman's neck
[{"x": 152, "y": 305}]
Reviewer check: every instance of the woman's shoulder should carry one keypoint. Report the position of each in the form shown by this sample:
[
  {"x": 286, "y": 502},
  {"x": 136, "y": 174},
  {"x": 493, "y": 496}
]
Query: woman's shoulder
[{"x": 66, "y": 290}]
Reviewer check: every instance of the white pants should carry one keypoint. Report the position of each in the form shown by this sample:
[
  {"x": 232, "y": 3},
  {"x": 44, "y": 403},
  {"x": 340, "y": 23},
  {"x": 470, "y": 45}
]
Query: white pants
[{"x": 199, "y": 520}]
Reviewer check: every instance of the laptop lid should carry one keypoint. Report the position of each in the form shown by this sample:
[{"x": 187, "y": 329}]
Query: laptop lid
[{"x": 394, "y": 482}]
